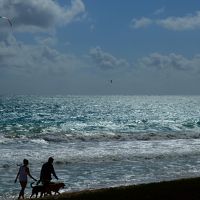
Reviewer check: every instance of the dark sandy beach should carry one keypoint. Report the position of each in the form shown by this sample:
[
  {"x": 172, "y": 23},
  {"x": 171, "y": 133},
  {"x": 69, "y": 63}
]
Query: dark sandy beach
[{"x": 168, "y": 190}]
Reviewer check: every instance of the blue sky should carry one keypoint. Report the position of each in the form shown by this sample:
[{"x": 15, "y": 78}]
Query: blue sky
[{"x": 78, "y": 46}]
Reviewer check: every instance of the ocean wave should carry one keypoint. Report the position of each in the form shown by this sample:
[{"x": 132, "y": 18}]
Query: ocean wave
[
  {"x": 118, "y": 136},
  {"x": 124, "y": 158},
  {"x": 70, "y": 160},
  {"x": 39, "y": 141},
  {"x": 5, "y": 140},
  {"x": 98, "y": 137},
  {"x": 97, "y": 152}
]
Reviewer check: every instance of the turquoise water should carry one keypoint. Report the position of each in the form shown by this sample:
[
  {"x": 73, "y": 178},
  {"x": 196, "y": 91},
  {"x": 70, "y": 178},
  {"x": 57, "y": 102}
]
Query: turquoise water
[{"x": 100, "y": 141}]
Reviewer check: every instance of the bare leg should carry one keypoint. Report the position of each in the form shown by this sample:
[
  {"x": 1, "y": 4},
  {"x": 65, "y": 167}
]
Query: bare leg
[{"x": 23, "y": 186}]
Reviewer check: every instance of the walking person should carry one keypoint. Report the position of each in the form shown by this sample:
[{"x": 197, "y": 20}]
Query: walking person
[
  {"x": 46, "y": 171},
  {"x": 23, "y": 174}
]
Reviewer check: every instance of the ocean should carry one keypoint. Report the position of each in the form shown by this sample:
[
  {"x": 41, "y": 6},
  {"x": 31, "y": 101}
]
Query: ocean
[{"x": 99, "y": 141}]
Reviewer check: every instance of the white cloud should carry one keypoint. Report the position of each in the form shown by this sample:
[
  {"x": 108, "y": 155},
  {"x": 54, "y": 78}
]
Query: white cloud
[
  {"x": 105, "y": 60},
  {"x": 34, "y": 60},
  {"x": 48, "y": 41},
  {"x": 141, "y": 23},
  {"x": 188, "y": 22},
  {"x": 37, "y": 15},
  {"x": 170, "y": 62},
  {"x": 159, "y": 11},
  {"x": 41, "y": 69}
]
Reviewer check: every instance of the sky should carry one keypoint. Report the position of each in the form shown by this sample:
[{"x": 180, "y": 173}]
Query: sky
[{"x": 64, "y": 47}]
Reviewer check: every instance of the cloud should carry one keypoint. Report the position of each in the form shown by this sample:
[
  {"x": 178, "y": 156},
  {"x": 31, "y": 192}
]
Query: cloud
[
  {"x": 41, "y": 69},
  {"x": 140, "y": 23},
  {"x": 49, "y": 41},
  {"x": 34, "y": 60},
  {"x": 37, "y": 15},
  {"x": 159, "y": 11},
  {"x": 170, "y": 62},
  {"x": 188, "y": 22},
  {"x": 105, "y": 60}
]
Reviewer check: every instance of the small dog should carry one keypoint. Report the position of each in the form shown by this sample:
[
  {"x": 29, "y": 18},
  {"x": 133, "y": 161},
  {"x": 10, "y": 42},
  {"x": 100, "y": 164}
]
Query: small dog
[
  {"x": 43, "y": 190},
  {"x": 36, "y": 189}
]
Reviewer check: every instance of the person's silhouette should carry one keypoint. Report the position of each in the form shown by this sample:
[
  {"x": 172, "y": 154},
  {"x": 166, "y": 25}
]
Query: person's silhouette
[
  {"x": 22, "y": 175},
  {"x": 46, "y": 171}
]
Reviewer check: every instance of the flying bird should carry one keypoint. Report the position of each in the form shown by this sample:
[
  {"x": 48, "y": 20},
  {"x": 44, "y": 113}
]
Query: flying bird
[{"x": 9, "y": 21}]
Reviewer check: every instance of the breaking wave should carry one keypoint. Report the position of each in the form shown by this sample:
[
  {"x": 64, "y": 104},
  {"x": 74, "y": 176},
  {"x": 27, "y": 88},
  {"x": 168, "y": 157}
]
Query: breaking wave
[{"x": 98, "y": 137}]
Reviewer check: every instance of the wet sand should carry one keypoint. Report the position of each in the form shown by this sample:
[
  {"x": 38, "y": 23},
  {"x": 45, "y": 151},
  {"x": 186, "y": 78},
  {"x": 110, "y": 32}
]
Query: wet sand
[{"x": 168, "y": 190}]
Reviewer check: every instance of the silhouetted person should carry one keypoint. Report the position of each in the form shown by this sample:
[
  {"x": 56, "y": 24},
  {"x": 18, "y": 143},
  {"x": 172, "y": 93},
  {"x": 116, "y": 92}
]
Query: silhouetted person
[
  {"x": 46, "y": 171},
  {"x": 22, "y": 175}
]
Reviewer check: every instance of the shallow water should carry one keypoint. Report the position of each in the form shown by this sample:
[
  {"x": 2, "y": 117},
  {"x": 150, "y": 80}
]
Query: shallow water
[{"x": 100, "y": 141}]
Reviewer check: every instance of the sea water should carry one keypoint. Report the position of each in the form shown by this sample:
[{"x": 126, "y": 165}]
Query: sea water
[{"x": 99, "y": 141}]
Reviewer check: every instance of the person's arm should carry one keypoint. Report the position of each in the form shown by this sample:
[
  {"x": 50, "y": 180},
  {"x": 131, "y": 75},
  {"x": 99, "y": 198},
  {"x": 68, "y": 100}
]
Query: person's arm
[
  {"x": 53, "y": 172},
  {"x": 28, "y": 173},
  {"x": 17, "y": 177}
]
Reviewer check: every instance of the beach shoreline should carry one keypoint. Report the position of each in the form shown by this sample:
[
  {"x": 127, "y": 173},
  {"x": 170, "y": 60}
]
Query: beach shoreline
[{"x": 188, "y": 188}]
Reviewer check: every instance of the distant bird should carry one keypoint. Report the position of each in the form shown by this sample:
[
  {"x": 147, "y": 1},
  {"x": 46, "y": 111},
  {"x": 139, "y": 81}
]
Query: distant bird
[{"x": 111, "y": 81}]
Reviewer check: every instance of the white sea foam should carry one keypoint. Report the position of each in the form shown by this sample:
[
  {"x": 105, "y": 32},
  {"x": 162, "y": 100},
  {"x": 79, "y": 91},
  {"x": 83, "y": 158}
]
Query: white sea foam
[
  {"x": 39, "y": 141},
  {"x": 4, "y": 140},
  {"x": 93, "y": 152}
]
